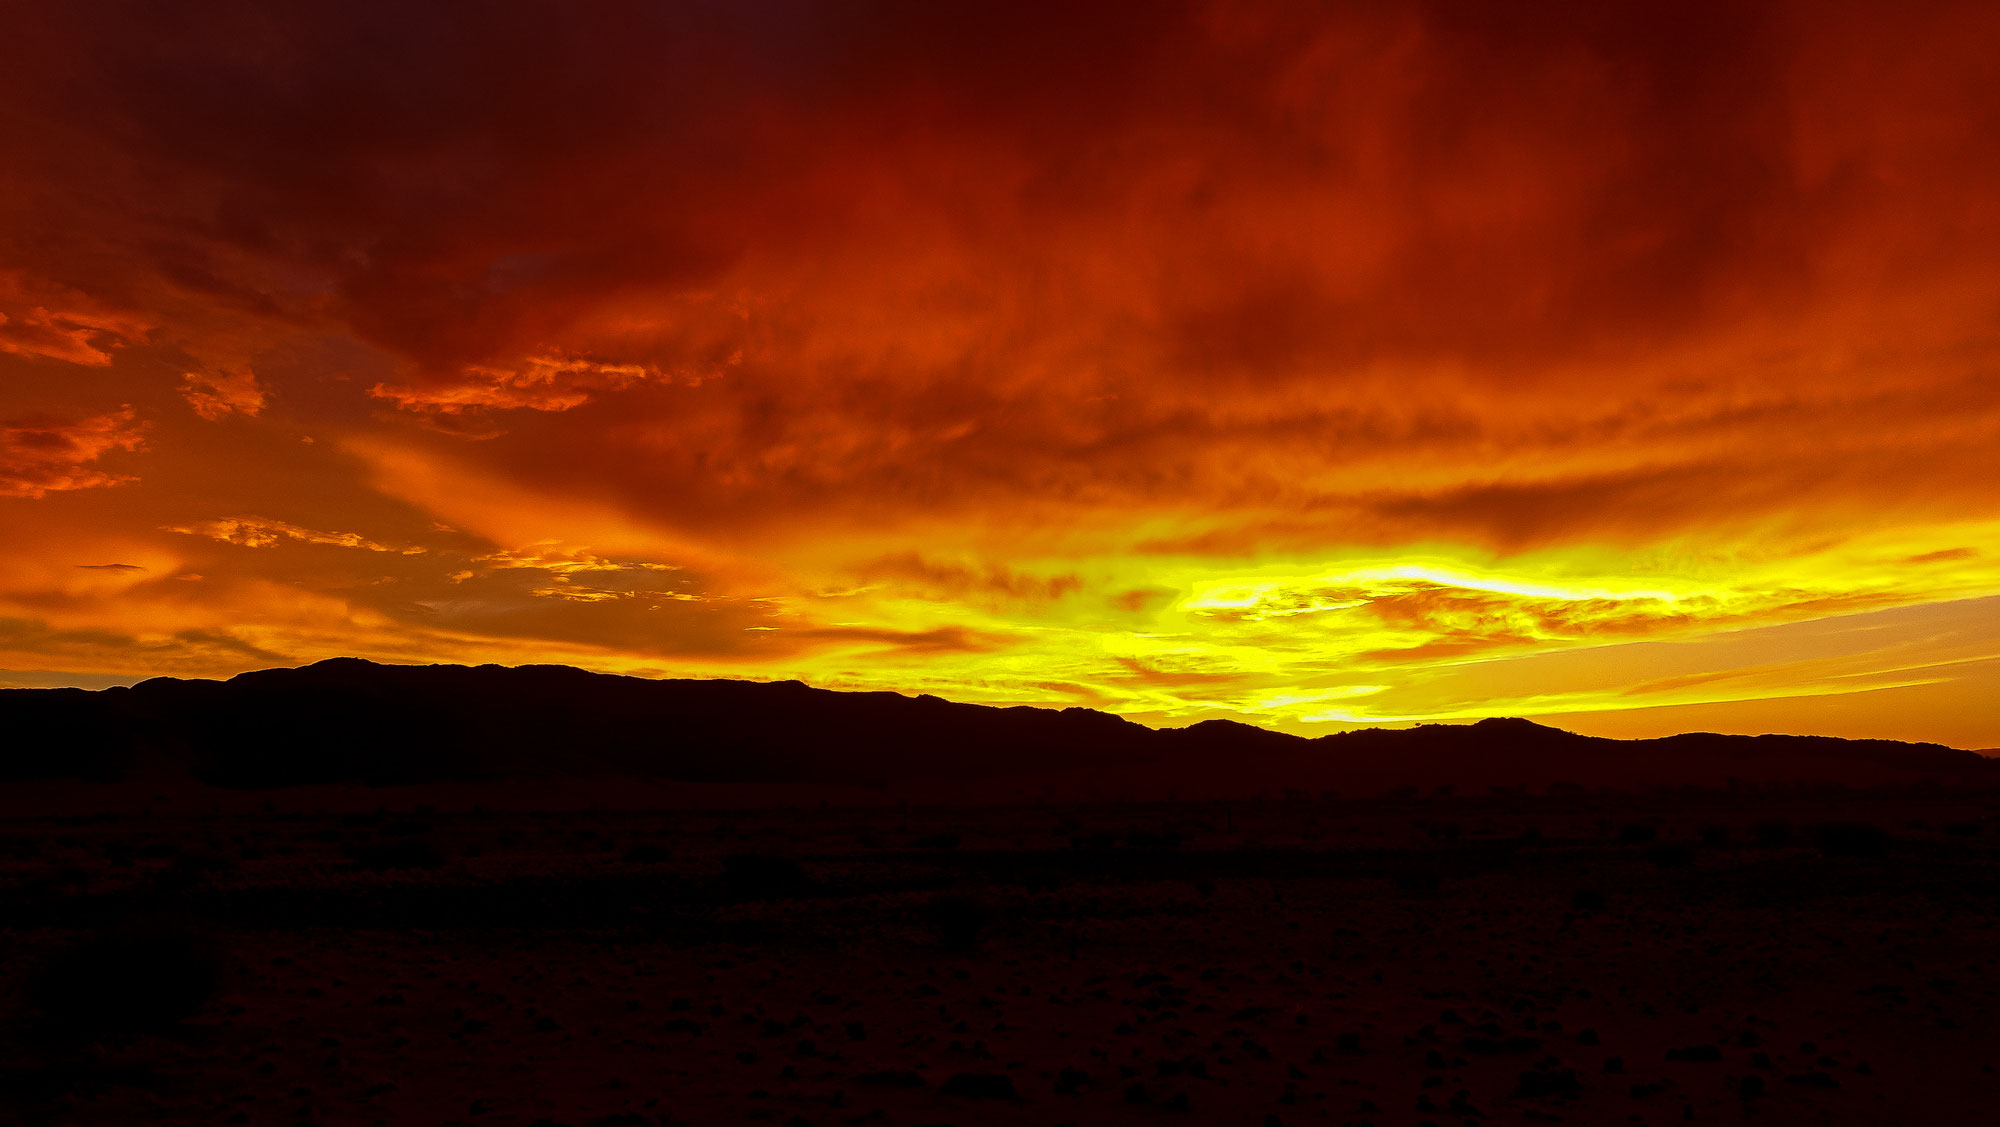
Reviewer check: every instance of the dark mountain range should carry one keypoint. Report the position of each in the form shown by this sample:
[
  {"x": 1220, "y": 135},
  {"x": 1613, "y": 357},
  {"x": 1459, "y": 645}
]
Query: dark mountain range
[{"x": 352, "y": 721}]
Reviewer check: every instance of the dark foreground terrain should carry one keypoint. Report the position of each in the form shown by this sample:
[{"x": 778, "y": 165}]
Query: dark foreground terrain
[{"x": 1792, "y": 957}]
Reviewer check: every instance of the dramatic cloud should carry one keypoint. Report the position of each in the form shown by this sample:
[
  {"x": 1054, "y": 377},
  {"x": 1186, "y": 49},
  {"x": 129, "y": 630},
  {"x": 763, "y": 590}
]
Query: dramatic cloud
[
  {"x": 43, "y": 456},
  {"x": 551, "y": 557},
  {"x": 51, "y": 322},
  {"x": 542, "y": 383},
  {"x": 217, "y": 395},
  {"x": 257, "y": 532},
  {"x": 1310, "y": 363}
]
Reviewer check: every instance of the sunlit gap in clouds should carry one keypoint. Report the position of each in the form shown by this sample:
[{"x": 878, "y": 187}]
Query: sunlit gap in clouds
[{"x": 1398, "y": 641}]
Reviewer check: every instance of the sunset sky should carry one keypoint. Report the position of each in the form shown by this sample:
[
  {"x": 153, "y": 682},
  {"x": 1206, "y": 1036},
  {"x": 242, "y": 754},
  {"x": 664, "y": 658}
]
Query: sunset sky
[{"x": 1630, "y": 366}]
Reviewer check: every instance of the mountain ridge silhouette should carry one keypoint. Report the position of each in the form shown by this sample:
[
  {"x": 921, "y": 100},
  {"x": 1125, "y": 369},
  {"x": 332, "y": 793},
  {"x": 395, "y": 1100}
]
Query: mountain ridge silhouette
[{"x": 352, "y": 721}]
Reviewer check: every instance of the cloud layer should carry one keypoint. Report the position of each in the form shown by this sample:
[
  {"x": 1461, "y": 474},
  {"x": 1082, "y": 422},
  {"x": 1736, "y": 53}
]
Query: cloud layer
[{"x": 1262, "y": 359}]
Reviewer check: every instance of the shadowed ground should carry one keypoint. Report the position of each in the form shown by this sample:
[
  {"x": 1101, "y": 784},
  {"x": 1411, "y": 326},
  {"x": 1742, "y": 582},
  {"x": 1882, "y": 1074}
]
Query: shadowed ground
[{"x": 1814, "y": 957}]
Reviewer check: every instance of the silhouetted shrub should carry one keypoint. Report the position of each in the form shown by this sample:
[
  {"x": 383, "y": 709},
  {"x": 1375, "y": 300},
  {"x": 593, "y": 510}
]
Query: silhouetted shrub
[
  {"x": 1548, "y": 1082},
  {"x": 936, "y": 841},
  {"x": 1670, "y": 855},
  {"x": 124, "y": 982},
  {"x": 1419, "y": 880},
  {"x": 1070, "y": 1081},
  {"x": 193, "y": 868},
  {"x": 1587, "y": 900},
  {"x": 1851, "y": 839},
  {"x": 397, "y": 854},
  {"x": 763, "y": 874},
  {"x": 1715, "y": 835},
  {"x": 979, "y": 1086},
  {"x": 956, "y": 921},
  {"x": 62, "y": 879},
  {"x": 1962, "y": 829},
  {"x": 890, "y": 1078},
  {"x": 1637, "y": 833},
  {"x": 648, "y": 853},
  {"x": 1773, "y": 833}
]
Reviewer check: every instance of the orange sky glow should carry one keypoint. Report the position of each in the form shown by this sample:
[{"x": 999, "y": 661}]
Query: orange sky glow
[{"x": 1633, "y": 367}]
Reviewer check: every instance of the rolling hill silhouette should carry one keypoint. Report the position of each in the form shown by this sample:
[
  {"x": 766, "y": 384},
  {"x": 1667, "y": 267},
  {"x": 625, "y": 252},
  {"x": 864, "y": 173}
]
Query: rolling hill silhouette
[{"x": 348, "y": 721}]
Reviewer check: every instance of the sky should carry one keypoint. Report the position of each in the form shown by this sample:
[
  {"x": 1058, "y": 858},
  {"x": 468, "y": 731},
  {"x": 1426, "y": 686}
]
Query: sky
[{"x": 1634, "y": 367}]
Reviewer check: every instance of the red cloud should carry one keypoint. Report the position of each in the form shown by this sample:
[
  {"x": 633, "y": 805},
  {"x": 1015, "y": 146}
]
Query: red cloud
[
  {"x": 43, "y": 456},
  {"x": 539, "y": 383},
  {"x": 216, "y": 395},
  {"x": 262, "y": 532},
  {"x": 50, "y": 322}
]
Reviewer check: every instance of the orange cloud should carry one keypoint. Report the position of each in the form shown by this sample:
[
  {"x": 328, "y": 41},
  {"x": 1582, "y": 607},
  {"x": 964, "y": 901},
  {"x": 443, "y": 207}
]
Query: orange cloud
[
  {"x": 185, "y": 649},
  {"x": 216, "y": 395},
  {"x": 552, "y": 558},
  {"x": 262, "y": 532},
  {"x": 540, "y": 383},
  {"x": 51, "y": 322},
  {"x": 959, "y": 580},
  {"x": 43, "y": 456}
]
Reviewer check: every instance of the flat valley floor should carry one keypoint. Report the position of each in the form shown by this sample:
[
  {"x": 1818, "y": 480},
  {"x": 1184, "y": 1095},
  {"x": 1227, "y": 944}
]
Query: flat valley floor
[{"x": 1591, "y": 959}]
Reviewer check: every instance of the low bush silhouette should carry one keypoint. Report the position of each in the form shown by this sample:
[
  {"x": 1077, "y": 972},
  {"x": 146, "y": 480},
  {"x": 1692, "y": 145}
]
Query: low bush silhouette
[
  {"x": 1419, "y": 880},
  {"x": 956, "y": 922},
  {"x": 979, "y": 1086},
  {"x": 648, "y": 853},
  {"x": 891, "y": 1078},
  {"x": 763, "y": 874},
  {"x": 1773, "y": 833},
  {"x": 1670, "y": 855},
  {"x": 192, "y": 869},
  {"x": 1548, "y": 1080},
  {"x": 1637, "y": 833},
  {"x": 941, "y": 842},
  {"x": 400, "y": 853},
  {"x": 1850, "y": 839},
  {"x": 130, "y": 981},
  {"x": 1587, "y": 900}
]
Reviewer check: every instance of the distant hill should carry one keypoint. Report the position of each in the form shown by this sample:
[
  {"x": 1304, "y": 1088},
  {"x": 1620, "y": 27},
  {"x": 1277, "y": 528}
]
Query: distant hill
[{"x": 348, "y": 721}]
